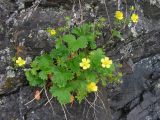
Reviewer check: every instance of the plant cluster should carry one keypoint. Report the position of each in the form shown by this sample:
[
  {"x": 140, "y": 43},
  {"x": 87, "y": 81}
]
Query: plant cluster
[
  {"x": 121, "y": 21},
  {"x": 75, "y": 65}
]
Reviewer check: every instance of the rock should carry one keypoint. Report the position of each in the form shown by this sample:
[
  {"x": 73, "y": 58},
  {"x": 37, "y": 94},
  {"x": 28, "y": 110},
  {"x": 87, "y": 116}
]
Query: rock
[
  {"x": 23, "y": 33},
  {"x": 14, "y": 104},
  {"x": 137, "y": 95},
  {"x": 27, "y": 38},
  {"x": 154, "y": 6},
  {"x": 6, "y": 8}
]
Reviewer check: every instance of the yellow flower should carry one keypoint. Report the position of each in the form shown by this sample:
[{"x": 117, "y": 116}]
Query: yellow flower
[
  {"x": 20, "y": 61},
  {"x": 52, "y": 32},
  {"x": 106, "y": 63},
  {"x": 85, "y": 64},
  {"x": 119, "y": 15},
  {"x": 92, "y": 87},
  {"x": 134, "y": 18}
]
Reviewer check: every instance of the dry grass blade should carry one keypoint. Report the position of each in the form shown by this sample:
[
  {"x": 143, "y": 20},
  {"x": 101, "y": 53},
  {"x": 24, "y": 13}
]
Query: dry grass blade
[
  {"x": 65, "y": 115},
  {"x": 49, "y": 100}
]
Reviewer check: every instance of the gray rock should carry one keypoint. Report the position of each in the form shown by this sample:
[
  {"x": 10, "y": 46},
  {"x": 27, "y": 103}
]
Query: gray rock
[
  {"x": 23, "y": 33},
  {"x": 137, "y": 94}
]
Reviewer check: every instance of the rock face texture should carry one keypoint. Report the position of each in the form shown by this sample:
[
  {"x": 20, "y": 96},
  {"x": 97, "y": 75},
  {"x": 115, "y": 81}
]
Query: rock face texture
[
  {"x": 139, "y": 95},
  {"x": 22, "y": 32}
]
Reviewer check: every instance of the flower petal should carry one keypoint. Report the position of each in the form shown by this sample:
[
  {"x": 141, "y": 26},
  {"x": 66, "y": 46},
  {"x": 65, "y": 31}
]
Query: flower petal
[
  {"x": 103, "y": 65},
  {"x": 84, "y": 67},
  {"x": 106, "y": 58},
  {"x": 84, "y": 60},
  {"x": 88, "y": 65},
  {"x": 87, "y": 60},
  {"x": 108, "y": 66},
  {"x": 102, "y": 60},
  {"x": 81, "y": 64}
]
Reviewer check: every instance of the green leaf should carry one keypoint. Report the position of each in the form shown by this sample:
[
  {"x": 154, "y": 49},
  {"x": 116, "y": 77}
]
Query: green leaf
[
  {"x": 76, "y": 31},
  {"x": 93, "y": 45},
  {"x": 58, "y": 43},
  {"x": 63, "y": 94},
  {"x": 71, "y": 41},
  {"x": 61, "y": 78},
  {"x": 44, "y": 61},
  {"x": 91, "y": 76},
  {"x": 34, "y": 71},
  {"x": 82, "y": 42},
  {"x": 33, "y": 80},
  {"x": 69, "y": 38},
  {"x": 73, "y": 64},
  {"x": 116, "y": 33},
  {"x": 43, "y": 75},
  {"x": 83, "y": 30},
  {"x": 74, "y": 44},
  {"x": 81, "y": 95},
  {"x": 34, "y": 63},
  {"x": 103, "y": 80},
  {"x": 95, "y": 58},
  {"x": 91, "y": 37},
  {"x": 81, "y": 90},
  {"x": 73, "y": 85},
  {"x": 59, "y": 52}
]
